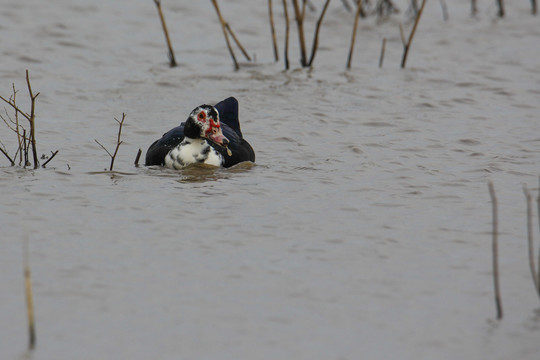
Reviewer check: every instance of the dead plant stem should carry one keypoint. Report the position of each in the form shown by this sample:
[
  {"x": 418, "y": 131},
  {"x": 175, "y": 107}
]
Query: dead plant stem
[
  {"x": 407, "y": 45},
  {"x": 495, "y": 251},
  {"x": 224, "y": 29},
  {"x": 273, "y": 30},
  {"x": 166, "y": 32},
  {"x": 353, "y": 37}
]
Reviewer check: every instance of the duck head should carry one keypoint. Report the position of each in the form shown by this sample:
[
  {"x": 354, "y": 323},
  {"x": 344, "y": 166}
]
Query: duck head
[{"x": 203, "y": 122}]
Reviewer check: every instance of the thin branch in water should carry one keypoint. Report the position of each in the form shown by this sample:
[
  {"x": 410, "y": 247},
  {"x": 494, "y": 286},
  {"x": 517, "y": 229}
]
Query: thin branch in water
[
  {"x": 530, "y": 241},
  {"x": 172, "y": 59},
  {"x": 224, "y": 29},
  {"x": 286, "y": 53},
  {"x": 315, "y": 44},
  {"x": 299, "y": 16},
  {"x": 533, "y": 7},
  {"x": 7, "y": 155},
  {"x": 248, "y": 58},
  {"x": 273, "y": 30},
  {"x": 383, "y": 48},
  {"x": 118, "y": 141},
  {"x": 53, "y": 154},
  {"x": 32, "y": 121},
  {"x": 353, "y": 37},
  {"x": 495, "y": 251},
  {"x": 407, "y": 45},
  {"x": 139, "y": 153}
]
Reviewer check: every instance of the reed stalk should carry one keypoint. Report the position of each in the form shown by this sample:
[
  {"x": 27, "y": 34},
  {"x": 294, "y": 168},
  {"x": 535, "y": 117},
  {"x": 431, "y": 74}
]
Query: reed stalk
[
  {"x": 286, "y": 52},
  {"x": 495, "y": 252},
  {"x": 383, "y": 48},
  {"x": 407, "y": 44},
  {"x": 225, "y": 33},
  {"x": 530, "y": 240},
  {"x": 355, "y": 27},
  {"x": 315, "y": 44},
  {"x": 474, "y": 8},
  {"x": 172, "y": 59},
  {"x": 244, "y": 52},
  {"x": 29, "y": 299},
  {"x": 533, "y": 7},
  {"x": 273, "y": 30},
  {"x": 299, "y": 16}
]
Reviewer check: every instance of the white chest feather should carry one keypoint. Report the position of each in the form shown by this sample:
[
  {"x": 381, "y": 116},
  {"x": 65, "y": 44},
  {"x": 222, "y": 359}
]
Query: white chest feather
[{"x": 191, "y": 151}]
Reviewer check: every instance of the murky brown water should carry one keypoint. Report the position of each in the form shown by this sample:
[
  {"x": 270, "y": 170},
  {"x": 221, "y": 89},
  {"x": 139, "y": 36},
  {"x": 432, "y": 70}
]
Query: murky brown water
[{"x": 362, "y": 231}]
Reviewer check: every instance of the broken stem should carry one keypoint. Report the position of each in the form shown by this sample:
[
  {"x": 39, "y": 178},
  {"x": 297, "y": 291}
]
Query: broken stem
[
  {"x": 32, "y": 121},
  {"x": 299, "y": 16},
  {"x": 407, "y": 45},
  {"x": 273, "y": 30},
  {"x": 355, "y": 27},
  {"x": 315, "y": 44},
  {"x": 530, "y": 241},
  {"x": 224, "y": 29},
  {"x": 166, "y": 32},
  {"x": 495, "y": 252},
  {"x": 286, "y": 53}
]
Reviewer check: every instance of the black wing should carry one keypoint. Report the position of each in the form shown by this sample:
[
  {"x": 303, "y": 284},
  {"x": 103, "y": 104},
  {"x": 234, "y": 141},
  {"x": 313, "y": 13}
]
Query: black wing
[{"x": 155, "y": 155}]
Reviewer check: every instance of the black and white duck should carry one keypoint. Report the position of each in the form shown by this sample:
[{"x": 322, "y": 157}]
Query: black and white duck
[{"x": 211, "y": 135}]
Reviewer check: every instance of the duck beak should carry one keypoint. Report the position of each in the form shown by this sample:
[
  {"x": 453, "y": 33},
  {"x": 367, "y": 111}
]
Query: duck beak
[{"x": 216, "y": 135}]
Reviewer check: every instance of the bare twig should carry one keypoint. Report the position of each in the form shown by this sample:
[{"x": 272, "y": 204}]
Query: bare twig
[
  {"x": 172, "y": 60},
  {"x": 407, "y": 45},
  {"x": 286, "y": 53},
  {"x": 53, "y": 154},
  {"x": 299, "y": 16},
  {"x": 315, "y": 44},
  {"x": 495, "y": 252},
  {"x": 273, "y": 30},
  {"x": 7, "y": 155},
  {"x": 32, "y": 121},
  {"x": 383, "y": 48},
  {"x": 118, "y": 141},
  {"x": 530, "y": 240},
  {"x": 355, "y": 27},
  {"x": 533, "y": 7},
  {"x": 224, "y": 29},
  {"x": 138, "y": 157}
]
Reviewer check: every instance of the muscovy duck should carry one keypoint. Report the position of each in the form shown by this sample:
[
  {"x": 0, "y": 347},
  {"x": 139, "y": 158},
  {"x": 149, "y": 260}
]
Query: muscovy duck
[{"x": 211, "y": 135}]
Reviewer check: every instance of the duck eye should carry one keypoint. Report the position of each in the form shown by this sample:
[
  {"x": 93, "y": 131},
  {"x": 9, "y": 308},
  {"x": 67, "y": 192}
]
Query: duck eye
[{"x": 201, "y": 116}]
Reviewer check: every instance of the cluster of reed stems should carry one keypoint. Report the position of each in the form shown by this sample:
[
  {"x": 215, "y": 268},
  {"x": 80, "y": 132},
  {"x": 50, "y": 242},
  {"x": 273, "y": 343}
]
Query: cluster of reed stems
[
  {"x": 535, "y": 272},
  {"x": 381, "y": 8},
  {"x": 26, "y": 140}
]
